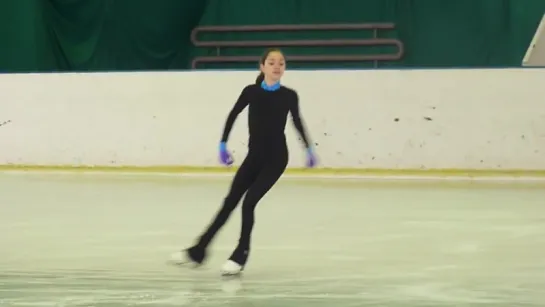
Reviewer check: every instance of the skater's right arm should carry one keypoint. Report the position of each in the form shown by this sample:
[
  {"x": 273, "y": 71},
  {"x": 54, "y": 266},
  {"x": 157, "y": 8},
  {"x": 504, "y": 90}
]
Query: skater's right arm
[{"x": 242, "y": 102}]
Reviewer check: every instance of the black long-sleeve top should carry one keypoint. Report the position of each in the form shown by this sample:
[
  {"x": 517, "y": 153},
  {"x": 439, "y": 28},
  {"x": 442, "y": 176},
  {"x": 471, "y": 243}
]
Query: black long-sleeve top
[{"x": 267, "y": 116}]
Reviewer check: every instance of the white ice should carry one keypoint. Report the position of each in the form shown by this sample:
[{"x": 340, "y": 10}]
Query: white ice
[{"x": 103, "y": 240}]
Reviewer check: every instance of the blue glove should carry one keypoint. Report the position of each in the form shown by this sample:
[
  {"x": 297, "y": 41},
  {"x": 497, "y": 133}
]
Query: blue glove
[
  {"x": 311, "y": 158},
  {"x": 225, "y": 156}
]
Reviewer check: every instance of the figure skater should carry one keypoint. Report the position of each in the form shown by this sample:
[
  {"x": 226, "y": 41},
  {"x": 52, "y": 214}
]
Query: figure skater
[{"x": 269, "y": 104}]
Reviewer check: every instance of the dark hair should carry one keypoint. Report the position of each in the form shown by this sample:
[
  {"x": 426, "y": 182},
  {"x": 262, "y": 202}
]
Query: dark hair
[{"x": 261, "y": 77}]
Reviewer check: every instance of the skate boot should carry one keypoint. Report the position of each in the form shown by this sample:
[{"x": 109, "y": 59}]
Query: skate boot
[
  {"x": 193, "y": 257},
  {"x": 235, "y": 264}
]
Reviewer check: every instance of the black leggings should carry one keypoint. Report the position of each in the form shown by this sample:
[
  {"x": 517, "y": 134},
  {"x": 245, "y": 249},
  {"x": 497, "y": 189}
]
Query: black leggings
[{"x": 256, "y": 176}]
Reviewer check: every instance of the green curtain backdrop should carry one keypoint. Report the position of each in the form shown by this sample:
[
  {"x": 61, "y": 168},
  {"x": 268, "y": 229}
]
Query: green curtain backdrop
[
  {"x": 18, "y": 41},
  {"x": 119, "y": 34},
  {"x": 98, "y": 35}
]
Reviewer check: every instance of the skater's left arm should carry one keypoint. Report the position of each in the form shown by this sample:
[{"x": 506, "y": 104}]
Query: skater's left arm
[{"x": 297, "y": 121}]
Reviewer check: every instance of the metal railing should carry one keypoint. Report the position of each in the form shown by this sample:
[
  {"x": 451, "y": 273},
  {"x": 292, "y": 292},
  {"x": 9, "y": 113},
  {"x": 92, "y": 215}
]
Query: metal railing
[{"x": 375, "y": 41}]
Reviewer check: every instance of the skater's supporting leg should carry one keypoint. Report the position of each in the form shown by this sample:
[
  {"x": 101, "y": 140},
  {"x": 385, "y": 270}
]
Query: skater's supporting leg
[
  {"x": 243, "y": 180},
  {"x": 263, "y": 183}
]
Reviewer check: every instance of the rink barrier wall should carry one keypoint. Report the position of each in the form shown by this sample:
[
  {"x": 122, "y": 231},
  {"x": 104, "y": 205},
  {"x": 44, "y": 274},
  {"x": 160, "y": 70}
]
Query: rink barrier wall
[{"x": 430, "y": 123}]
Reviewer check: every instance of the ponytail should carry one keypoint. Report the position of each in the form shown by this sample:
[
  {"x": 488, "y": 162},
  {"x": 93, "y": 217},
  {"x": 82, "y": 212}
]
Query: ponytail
[{"x": 260, "y": 78}]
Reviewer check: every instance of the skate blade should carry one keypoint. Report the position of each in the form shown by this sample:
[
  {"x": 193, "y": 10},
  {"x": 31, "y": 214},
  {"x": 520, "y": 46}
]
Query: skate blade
[
  {"x": 229, "y": 275},
  {"x": 186, "y": 265},
  {"x": 180, "y": 259}
]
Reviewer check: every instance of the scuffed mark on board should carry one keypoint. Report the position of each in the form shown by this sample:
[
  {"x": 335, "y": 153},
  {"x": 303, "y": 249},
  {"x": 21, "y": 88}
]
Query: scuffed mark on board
[{"x": 5, "y": 123}]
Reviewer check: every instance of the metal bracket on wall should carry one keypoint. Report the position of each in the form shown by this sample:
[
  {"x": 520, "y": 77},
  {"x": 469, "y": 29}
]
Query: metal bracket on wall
[{"x": 375, "y": 41}]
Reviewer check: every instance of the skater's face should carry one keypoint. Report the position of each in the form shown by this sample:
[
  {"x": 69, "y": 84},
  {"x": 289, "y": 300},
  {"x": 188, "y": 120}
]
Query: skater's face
[{"x": 273, "y": 66}]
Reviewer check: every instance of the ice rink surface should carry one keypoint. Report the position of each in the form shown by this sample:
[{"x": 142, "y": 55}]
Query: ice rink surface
[{"x": 103, "y": 240}]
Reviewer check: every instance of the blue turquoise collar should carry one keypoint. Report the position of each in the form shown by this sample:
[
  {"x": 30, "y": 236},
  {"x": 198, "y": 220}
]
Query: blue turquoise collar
[{"x": 270, "y": 88}]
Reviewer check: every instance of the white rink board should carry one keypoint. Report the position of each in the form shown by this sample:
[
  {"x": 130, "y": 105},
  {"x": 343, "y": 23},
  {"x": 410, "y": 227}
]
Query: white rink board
[{"x": 391, "y": 119}]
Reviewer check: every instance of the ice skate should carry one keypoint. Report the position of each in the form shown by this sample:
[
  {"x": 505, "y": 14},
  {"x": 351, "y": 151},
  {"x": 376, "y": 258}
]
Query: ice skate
[
  {"x": 231, "y": 268},
  {"x": 193, "y": 257},
  {"x": 235, "y": 265}
]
